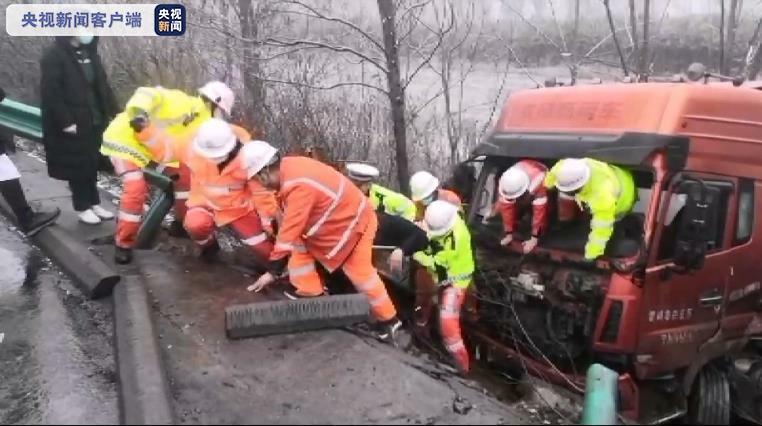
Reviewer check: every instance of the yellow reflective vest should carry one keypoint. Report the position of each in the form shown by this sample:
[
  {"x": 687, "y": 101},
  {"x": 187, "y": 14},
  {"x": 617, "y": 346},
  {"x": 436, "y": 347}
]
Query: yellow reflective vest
[
  {"x": 450, "y": 258},
  {"x": 390, "y": 202},
  {"x": 174, "y": 112},
  {"x": 609, "y": 194}
]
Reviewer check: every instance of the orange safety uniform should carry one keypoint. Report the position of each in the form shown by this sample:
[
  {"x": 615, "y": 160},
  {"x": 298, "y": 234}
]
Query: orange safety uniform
[
  {"x": 228, "y": 198},
  {"x": 537, "y": 194},
  {"x": 328, "y": 219},
  {"x": 444, "y": 195},
  {"x": 220, "y": 198},
  {"x": 135, "y": 192}
]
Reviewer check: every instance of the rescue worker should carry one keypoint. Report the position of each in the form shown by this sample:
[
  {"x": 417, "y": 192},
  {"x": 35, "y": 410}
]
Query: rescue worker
[
  {"x": 221, "y": 193},
  {"x": 449, "y": 260},
  {"x": 520, "y": 185},
  {"x": 326, "y": 219},
  {"x": 393, "y": 210},
  {"x": 425, "y": 188},
  {"x": 383, "y": 199},
  {"x": 135, "y": 140},
  {"x": 608, "y": 191}
]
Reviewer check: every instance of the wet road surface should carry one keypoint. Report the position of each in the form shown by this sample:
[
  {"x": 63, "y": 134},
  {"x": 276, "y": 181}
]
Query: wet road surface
[{"x": 56, "y": 354}]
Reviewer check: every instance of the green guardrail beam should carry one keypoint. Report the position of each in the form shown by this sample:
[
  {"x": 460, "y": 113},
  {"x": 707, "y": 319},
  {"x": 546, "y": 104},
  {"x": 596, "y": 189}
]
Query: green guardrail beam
[
  {"x": 21, "y": 119},
  {"x": 601, "y": 394}
]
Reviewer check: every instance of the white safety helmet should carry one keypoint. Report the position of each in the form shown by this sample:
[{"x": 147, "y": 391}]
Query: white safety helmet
[
  {"x": 257, "y": 155},
  {"x": 361, "y": 172},
  {"x": 215, "y": 139},
  {"x": 440, "y": 218},
  {"x": 573, "y": 174},
  {"x": 219, "y": 93},
  {"x": 513, "y": 183},
  {"x": 422, "y": 185}
]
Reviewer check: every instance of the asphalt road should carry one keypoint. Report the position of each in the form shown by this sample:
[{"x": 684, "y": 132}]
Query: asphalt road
[{"x": 56, "y": 352}]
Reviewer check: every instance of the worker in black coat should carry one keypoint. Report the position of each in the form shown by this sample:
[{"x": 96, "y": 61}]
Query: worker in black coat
[
  {"x": 29, "y": 222},
  {"x": 77, "y": 104}
]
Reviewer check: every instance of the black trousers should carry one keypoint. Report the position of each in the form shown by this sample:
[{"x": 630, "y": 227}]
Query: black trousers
[{"x": 84, "y": 193}]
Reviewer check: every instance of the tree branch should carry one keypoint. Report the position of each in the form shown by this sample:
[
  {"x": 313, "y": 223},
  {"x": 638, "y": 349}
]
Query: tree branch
[
  {"x": 318, "y": 44},
  {"x": 558, "y": 25},
  {"x": 441, "y": 34},
  {"x": 612, "y": 27},
  {"x": 319, "y": 15},
  {"x": 331, "y": 87},
  {"x": 521, "y": 64},
  {"x": 274, "y": 42},
  {"x": 535, "y": 27}
]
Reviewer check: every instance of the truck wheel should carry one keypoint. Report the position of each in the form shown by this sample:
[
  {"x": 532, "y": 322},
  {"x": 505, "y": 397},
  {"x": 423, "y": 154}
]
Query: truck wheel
[{"x": 709, "y": 402}]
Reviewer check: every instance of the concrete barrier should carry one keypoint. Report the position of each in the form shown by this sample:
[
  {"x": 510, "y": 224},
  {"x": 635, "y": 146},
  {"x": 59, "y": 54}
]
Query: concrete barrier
[
  {"x": 144, "y": 397},
  {"x": 90, "y": 273}
]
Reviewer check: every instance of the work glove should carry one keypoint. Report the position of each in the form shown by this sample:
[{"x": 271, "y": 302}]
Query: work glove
[
  {"x": 263, "y": 281},
  {"x": 140, "y": 122},
  {"x": 395, "y": 260},
  {"x": 506, "y": 240},
  {"x": 529, "y": 245},
  {"x": 72, "y": 130}
]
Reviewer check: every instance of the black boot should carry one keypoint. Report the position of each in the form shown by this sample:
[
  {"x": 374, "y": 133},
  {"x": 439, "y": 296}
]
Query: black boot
[
  {"x": 39, "y": 220},
  {"x": 177, "y": 230},
  {"x": 210, "y": 252},
  {"x": 29, "y": 221},
  {"x": 122, "y": 255},
  {"x": 392, "y": 332}
]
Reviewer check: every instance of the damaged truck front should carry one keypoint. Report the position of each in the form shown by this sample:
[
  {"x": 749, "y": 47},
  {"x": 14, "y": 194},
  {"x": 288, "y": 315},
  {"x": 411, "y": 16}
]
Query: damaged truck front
[{"x": 674, "y": 304}]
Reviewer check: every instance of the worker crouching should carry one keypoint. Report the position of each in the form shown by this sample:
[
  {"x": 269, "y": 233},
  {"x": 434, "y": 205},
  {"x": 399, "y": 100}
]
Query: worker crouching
[
  {"x": 382, "y": 199},
  {"x": 222, "y": 194},
  {"x": 521, "y": 185},
  {"x": 449, "y": 260},
  {"x": 325, "y": 219},
  {"x": 142, "y": 137},
  {"x": 425, "y": 188},
  {"x": 608, "y": 191}
]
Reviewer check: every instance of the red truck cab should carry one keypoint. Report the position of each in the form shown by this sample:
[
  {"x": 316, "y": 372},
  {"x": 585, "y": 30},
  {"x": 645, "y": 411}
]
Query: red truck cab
[{"x": 675, "y": 304}]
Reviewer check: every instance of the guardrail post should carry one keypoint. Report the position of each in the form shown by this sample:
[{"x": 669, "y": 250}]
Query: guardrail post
[{"x": 601, "y": 393}]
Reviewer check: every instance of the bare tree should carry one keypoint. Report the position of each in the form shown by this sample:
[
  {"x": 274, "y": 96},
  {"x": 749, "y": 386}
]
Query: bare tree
[
  {"x": 732, "y": 27},
  {"x": 644, "y": 54},
  {"x": 388, "y": 12},
  {"x": 612, "y": 27},
  {"x": 250, "y": 15},
  {"x": 721, "y": 66},
  {"x": 754, "y": 53},
  {"x": 575, "y": 27},
  {"x": 634, "y": 29}
]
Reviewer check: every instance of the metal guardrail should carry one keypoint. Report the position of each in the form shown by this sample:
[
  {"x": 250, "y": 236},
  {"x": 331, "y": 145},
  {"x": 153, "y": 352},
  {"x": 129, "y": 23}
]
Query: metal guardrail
[
  {"x": 601, "y": 394},
  {"x": 21, "y": 119}
]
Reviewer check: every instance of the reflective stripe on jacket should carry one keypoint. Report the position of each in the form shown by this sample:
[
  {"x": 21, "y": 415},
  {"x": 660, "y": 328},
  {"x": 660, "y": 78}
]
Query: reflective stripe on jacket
[
  {"x": 229, "y": 193},
  {"x": 537, "y": 193},
  {"x": 171, "y": 112},
  {"x": 450, "y": 258},
  {"x": 387, "y": 201},
  {"x": 323, "y": 212},
  {"x": 609, "y": 194}
]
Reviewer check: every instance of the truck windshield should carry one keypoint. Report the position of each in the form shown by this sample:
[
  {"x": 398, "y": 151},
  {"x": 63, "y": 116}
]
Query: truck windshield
[{"x": 570, "y": 236}]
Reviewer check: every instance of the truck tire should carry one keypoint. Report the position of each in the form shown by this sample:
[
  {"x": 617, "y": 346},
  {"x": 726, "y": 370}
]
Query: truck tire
[{"x": 709, "y": 402}]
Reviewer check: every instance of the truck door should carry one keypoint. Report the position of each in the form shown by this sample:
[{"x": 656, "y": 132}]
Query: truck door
[
  {"x": 682, "y": 310},
  {"x": 743, "y": 295}
]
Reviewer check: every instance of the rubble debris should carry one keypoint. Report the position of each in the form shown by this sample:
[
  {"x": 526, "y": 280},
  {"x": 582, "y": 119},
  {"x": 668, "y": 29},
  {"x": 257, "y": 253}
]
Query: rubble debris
[{"x": 461, "y": 406}]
